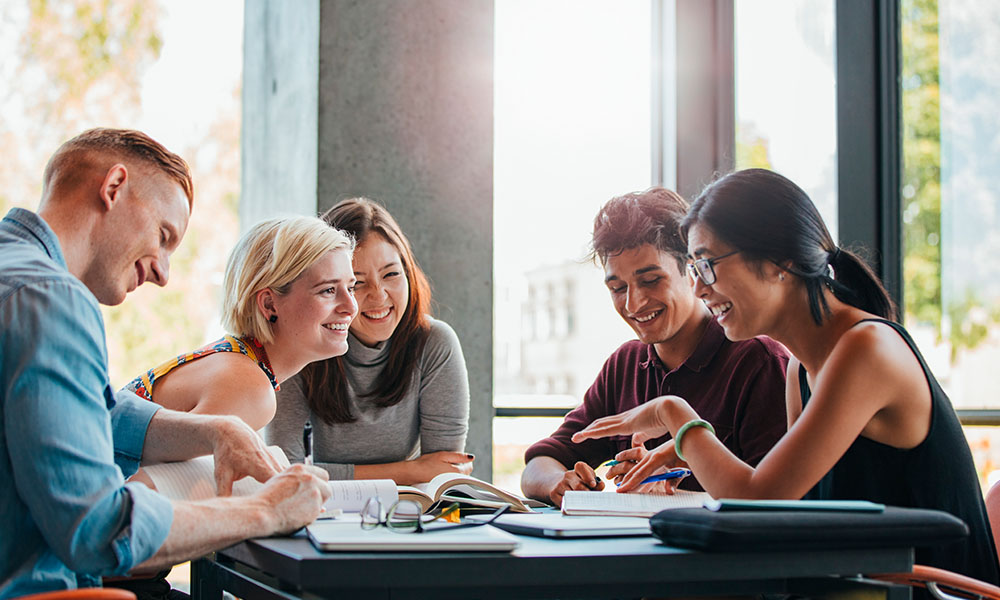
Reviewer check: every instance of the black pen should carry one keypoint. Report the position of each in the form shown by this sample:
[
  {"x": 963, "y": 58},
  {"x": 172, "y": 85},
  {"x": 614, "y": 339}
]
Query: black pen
[{"x": 307, "y": 443}]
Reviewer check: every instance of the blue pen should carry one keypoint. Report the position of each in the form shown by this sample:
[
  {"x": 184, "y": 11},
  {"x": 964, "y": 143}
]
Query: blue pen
[{"x": 675, "y": 474}]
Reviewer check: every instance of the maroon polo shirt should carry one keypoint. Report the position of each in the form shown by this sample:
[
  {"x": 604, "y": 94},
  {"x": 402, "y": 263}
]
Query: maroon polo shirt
[{"x": 738, "y": 387}]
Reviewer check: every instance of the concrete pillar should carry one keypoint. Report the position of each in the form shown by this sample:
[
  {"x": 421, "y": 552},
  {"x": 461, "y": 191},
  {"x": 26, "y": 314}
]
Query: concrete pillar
[
  {"x": 280, "y": 109},
  {"x": 404, "y": 115}
]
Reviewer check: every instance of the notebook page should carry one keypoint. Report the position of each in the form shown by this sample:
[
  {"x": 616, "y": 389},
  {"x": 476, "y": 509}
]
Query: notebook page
[
  {"x": 609, "y": 503},
  {"x": 195, "y": 479},
  {"x": 350, "y": 495}
]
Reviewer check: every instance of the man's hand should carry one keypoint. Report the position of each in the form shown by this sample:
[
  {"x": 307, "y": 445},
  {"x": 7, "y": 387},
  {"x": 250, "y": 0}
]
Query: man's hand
[
  {"x": 295, "y": 497},
  {"x": 239, "y": 452},
  {"x": 582, "y": 477}
]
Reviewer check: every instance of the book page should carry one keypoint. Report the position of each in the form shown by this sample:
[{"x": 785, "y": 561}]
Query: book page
[
  {"x": 416, "y": 494},
  {"x": 441, "y": 481},
  {"x": 350, "y": 495},
  {"x": 195, "y": 479},
  {"x": 469, "y": 485},
  {"x": 475, "y": 491},
  {"x": 639, "y": 505}
]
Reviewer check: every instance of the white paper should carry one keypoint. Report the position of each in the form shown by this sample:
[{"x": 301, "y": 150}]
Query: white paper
[
  {"x": 195, "y": 480},
  {"x": 640, "y": 505},
  {"x": 350, "y": 495}
]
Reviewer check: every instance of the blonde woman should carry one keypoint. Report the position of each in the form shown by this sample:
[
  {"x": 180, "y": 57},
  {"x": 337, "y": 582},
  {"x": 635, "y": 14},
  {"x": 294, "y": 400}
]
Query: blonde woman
[
  {"x": 396, "y": 406},
  {"x": 288, "y": 301}
]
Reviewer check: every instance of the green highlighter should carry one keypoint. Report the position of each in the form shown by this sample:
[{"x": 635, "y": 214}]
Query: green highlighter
[{"x": 730, "y": 504}]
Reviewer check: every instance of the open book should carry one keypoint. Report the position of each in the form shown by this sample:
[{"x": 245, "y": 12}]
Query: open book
[
  {"x": 195, "y": 480},
  {"x": 455, "y": 487},
  {"x": 629, "y": 505}
]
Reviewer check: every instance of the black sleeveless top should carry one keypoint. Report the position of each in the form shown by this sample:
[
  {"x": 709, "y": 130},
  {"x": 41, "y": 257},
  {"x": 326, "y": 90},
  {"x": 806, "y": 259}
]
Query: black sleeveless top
[{"x": 938, "y": 474}]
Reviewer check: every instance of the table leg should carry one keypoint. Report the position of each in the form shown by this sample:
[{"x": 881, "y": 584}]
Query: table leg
[{"x": 203, "y": 583}]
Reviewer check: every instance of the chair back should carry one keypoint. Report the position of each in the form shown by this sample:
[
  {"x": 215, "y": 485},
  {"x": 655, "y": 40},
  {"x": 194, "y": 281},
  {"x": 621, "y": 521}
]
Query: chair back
[
  {"x": 94, "y": 593},
  {"x": 993, "y": 511}
]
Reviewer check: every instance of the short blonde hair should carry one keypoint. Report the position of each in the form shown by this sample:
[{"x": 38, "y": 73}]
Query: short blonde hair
[{"x": 273, "y": 254}]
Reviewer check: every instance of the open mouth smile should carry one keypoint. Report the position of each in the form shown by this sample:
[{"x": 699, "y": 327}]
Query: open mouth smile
[
  {"x": 720, "y": 310},
  {"x": 649, "y": 317},
  {"x": 377, "y": 315}
]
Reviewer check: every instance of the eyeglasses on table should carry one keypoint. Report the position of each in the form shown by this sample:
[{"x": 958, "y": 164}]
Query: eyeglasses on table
[{"x": 405, "y": 516}]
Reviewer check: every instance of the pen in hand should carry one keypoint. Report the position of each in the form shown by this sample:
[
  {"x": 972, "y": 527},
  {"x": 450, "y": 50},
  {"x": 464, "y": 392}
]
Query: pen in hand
[
  {"x": 307, "y": 443},
  {"x": 674, "y": 474}
]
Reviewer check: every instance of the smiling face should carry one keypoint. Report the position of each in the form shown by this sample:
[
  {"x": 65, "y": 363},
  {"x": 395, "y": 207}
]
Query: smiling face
[
  {"x": 651, "y": 293},
  {"x": 315, "y": 313},
  {"x": 382, "y": 290},
  {"x": 137, "y": 238},
  {"x": 744, "y": 297}
]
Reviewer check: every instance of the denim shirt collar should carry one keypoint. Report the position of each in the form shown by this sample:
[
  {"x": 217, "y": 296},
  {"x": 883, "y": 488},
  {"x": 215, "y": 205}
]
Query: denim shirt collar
[{"x": 32, "y": 228}]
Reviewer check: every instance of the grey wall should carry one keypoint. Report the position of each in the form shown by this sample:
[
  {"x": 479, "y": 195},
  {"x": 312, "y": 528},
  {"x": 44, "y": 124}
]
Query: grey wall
[
  {"x": 280, "y": 115},
  {"x": 404, "y": 115}
]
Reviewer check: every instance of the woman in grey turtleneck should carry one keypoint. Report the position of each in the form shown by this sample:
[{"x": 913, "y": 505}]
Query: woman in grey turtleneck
[{"x": 396, "y": 406}]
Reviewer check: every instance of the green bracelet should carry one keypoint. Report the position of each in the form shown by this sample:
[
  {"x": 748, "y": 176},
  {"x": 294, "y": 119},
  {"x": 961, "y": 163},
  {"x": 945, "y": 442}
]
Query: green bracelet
[{"x": 683, "y": 430}]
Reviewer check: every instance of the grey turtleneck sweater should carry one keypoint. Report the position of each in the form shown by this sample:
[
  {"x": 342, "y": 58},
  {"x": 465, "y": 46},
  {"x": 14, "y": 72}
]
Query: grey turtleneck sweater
[{"x": 432, "y": 416}]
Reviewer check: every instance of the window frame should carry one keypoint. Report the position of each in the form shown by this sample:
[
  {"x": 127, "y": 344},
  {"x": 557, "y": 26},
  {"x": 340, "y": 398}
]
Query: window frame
[{"x": 699, "y": 34}]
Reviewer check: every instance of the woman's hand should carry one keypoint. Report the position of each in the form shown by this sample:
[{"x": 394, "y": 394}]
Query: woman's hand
[
  {"x": 653, "y": 462},
  {"x": 627, "y": 460},
  {"x": 426, "y": 467},
  {"x": 643, "y": 422}
]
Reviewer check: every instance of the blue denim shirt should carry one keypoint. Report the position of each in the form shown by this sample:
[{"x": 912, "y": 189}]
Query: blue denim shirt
[{"x": 66, "y": 515}]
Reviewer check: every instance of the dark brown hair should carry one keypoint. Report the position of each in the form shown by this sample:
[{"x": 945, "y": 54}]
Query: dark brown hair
[
  {"x": 121, "y": 144},
  {"x": 324, "y": 382},
  {"x": 638, "y": 218},
  {"x": 768, "y": 218}
]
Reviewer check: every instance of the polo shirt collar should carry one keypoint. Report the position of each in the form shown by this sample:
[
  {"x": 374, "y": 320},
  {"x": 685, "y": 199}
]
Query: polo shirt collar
[
  {"x": 711, "y": 340},
  {"x": 32, "y": 228}
]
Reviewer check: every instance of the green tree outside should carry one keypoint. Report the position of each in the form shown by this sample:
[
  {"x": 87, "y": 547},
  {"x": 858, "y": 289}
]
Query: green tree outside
[
  {"x": 80, "y": 64},
  {"x": 921, "y": 180}
]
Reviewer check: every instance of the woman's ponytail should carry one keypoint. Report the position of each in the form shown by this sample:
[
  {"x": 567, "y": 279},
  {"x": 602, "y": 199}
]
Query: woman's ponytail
[{"x": 855, "y": 283}]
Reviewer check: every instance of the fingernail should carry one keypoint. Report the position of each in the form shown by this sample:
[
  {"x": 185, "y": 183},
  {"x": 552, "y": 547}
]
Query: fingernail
[{"x": 471, "y": 456}]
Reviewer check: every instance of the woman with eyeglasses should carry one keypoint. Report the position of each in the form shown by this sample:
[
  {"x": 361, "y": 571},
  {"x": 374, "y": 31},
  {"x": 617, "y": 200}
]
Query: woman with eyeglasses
[
  {"x": 396, "y": 406},
  {"x": 867, "y": 418}
]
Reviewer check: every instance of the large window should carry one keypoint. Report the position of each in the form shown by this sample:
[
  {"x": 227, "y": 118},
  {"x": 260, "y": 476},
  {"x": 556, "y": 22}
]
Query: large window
[
  {"x": 171, "y": 69},
  {"x": 572, "y": 130},
  {"x": 786, "y": 97},
  {"x": 950, "y": 207}
]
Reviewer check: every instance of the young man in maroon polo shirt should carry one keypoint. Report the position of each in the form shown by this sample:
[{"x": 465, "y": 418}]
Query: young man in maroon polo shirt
[{"x": 739, "y": 387}]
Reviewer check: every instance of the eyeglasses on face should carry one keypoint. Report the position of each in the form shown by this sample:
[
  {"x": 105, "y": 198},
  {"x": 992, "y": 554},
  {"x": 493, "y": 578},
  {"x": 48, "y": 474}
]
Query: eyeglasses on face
[
  {"x": 704, "y": 268},
  {"x": 405, "y": 516}
]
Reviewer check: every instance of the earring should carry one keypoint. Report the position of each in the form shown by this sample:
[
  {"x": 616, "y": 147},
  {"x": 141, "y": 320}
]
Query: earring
[
  {"x": 273, "y": 319},
  {"x": 781, "y": 276}
]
